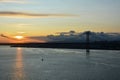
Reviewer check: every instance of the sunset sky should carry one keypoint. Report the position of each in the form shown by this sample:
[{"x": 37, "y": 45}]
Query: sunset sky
[{"x": 44, "y": 17}]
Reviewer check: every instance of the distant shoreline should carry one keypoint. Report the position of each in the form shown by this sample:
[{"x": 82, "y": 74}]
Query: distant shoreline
[{"x": 94, "y": 45}]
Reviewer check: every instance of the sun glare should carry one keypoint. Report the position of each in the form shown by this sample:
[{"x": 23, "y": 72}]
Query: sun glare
[{"x": 19, "y": 37}]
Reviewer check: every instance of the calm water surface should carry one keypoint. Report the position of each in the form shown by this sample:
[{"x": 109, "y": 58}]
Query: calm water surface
[{"x": 58, "y": 64}]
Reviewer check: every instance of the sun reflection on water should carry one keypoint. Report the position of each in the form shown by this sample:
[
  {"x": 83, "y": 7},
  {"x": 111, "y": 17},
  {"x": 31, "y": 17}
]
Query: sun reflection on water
[{"x": 19, "y": 67}]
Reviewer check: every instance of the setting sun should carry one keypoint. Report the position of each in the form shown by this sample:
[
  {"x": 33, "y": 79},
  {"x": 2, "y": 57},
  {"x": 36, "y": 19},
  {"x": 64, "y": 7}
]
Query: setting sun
[{"x": 19, "y": 37}]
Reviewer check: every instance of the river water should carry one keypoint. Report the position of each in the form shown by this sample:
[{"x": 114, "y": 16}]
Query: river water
[{"x": 58, "y": 64}]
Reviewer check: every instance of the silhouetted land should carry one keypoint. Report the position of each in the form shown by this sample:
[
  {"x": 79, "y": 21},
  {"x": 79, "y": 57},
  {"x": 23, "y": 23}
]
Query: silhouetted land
[{"x": 114, "y": 45}]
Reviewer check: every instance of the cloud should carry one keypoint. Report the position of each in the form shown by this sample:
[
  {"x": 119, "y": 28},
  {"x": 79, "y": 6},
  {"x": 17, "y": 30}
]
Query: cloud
[
  {"x": 13, "y": 1},
  {"x": 73, "y": 37},
  {"x": 2, "y": 35},
  {"x": 21, "y": 32},
  {"x": 23, "y": 24},
  {"x": 29, "y": 15}
]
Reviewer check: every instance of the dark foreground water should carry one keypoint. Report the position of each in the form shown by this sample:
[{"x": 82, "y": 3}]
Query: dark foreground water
[{"x": 58, "y": 64}]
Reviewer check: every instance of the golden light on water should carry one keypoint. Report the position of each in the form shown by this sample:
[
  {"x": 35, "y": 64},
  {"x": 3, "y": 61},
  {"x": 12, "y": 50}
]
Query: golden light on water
[{"x": 19, "y": 67}]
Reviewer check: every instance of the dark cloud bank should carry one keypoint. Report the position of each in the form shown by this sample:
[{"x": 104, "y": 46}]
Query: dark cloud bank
[{"x": 74, "y": 37}]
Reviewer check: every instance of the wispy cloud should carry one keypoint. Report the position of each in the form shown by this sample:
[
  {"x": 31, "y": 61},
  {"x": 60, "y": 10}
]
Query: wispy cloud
[
  {"x": 14, "y": 1},
  {"x": 29, "y": 15},
  {"x": 2, "y": 35}
]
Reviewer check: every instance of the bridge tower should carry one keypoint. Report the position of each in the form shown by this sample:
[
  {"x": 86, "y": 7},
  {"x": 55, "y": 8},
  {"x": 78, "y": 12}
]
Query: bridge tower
[{"x": 88, "y": 41}]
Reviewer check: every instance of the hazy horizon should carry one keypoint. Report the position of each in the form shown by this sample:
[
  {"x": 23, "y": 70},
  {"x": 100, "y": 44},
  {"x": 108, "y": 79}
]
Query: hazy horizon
[{"x": 66, "y": 37}]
